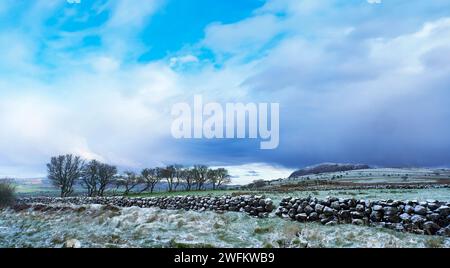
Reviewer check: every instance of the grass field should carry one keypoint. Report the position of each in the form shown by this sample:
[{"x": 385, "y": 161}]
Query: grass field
[
  {"x": 34, "y": 189},
  {"x": 377, "y": 175},
  {"x": 183, "y": 193},
  {"x": 95, "y": 226}
]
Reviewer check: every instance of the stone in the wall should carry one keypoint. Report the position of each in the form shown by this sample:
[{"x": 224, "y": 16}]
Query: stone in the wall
[{"x": 426, "y": 217}]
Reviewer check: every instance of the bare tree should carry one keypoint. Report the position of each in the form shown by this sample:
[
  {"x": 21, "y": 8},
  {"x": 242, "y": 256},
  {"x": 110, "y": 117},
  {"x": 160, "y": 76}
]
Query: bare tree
[
  {"x": 222, "y": 177},
  {"x": 97, "y": 176},
  {"x": 200, "y": 175},
  {"x": 89, "y": 177},
  {"x": 188, "y": 177},
  {"x": 64, "y": 171},
  {"x": 106, "y": 176},
  {"x": 169, "y": 174},
  {"x": 150, "y": 178},
  {"x": 178, "y": 169},
  {"x": 161, "y": 173},
  {"x": 128, "y": 181},
  {"x": 212, "y": 177}
]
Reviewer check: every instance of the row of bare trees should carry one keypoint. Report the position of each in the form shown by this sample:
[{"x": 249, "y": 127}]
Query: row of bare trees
[{"x": 66, "y": 171}]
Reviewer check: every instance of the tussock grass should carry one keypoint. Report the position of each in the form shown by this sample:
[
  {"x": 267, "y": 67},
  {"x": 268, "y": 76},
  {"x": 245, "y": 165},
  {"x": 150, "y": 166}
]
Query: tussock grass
[{"x": 7, "y": 193}]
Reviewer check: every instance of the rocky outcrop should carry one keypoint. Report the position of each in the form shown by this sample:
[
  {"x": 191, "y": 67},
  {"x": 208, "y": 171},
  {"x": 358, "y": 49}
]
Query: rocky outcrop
[
  {"x": 431, "y": 217},
  {"x": 253, "y": 205},
  {"x": 72, "y": 243}
]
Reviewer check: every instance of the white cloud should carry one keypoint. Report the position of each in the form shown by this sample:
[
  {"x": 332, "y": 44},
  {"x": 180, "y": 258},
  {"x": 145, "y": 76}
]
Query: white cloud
[
  {"x": 109, "y": 113},
  {"x": 176, "y": 61},
  {"x": 129, "y": 13},
  {"x": 105, "y": 64},
  {"x": 374, "y": 1},
  {"x": 246, "y": 35},
  {"x": 244, "y": 174},
  {"x": 36, "y": 127}
]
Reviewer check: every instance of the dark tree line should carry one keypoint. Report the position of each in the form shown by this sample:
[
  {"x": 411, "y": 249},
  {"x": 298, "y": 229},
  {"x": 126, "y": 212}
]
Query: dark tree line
[{"x": 67, "y": 170}]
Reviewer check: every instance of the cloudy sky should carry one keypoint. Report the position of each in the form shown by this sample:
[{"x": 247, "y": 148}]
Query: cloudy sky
[{"x": 363, "y": 81}]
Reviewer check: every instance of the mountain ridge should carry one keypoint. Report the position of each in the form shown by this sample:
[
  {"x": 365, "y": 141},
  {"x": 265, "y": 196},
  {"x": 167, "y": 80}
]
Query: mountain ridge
[{"x": 327, "y": 168}]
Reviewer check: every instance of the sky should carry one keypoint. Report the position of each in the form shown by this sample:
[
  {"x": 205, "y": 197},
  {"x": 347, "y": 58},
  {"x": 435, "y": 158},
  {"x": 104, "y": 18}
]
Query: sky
[{"x": 358, "y": 81}]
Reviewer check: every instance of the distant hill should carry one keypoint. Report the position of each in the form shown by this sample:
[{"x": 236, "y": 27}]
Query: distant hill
[
  {"x": 34, "y": 181},
  {"x": 327, "y": 168}
]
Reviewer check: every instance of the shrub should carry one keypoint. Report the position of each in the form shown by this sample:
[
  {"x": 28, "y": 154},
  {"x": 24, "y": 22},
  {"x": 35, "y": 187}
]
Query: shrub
[
  {"x": 7, "y": 193},
  {"x": 263, "y": 229},
  {"x": 257, "y": 184}
]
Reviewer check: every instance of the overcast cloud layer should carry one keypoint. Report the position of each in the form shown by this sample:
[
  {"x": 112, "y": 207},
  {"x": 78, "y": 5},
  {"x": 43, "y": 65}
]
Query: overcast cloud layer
[{"x": 357, "y": 81}]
